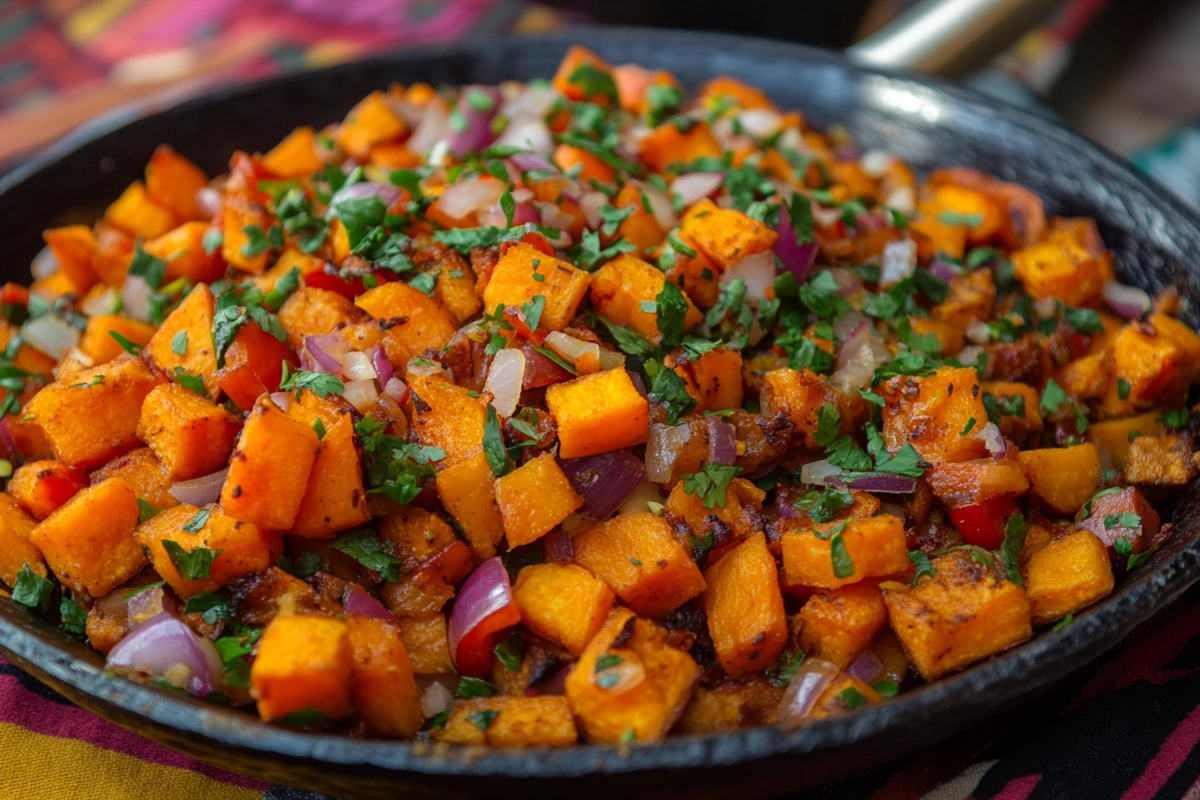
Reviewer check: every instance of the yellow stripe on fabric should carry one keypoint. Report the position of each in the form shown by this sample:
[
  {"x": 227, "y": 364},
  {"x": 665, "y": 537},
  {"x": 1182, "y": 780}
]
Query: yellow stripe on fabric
[
  {"x": 93, "y": 18},
  {"x": 36, "y": 765}
]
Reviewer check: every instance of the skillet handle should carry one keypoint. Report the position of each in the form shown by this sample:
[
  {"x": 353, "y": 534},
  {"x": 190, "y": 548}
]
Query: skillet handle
[{"x": 951, "y": 38}]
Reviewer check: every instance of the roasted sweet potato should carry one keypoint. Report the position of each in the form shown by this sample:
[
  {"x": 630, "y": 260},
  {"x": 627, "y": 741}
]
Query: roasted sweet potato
[
  {"x": 98, "y": 343},
  {"x": 839, "y": 624},
  {"x": 563, "y": 603},
  {"x": 304, "y": 663},
  {"x": 191, "y": 321},
  {"x": 511, "y": 722},
  {"x": 468, "y": 491},
  {"x": 191, "y": 435},
  {"x": 335, "y": 498},
  {"x": 386, "y": 699},
  {"x": 597, "y": 413},
  {"x": 144, "y": 473},
  {"x": 619, "y": 289},
  {"x": 725, "y": 235},
  {"x": 1066, "y": 575},
  {"x": 16, "y": 550},
  {"x": 870, "y": 547},
  {"x": 415, "y": 323},
  {"x": 1063, "y": 477},
  {"x": 428, "y": 649},
  {"x": 447, "y": 417},
  {"x": 513, "y": 284},
  {"x": 40, "y": 487},
  {"x": 745, "y": 607},
  {"x": 798, "y": 395},
  {"x": 534, "y": 498}
]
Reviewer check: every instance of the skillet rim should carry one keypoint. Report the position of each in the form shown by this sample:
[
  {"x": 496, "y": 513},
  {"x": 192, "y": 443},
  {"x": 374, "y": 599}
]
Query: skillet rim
[{"x": 977, "y": 692}]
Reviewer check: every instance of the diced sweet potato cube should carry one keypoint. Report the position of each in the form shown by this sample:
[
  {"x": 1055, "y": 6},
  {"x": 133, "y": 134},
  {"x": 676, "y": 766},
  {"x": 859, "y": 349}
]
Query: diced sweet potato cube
[
  {"x": 144, "y": 473},
  {"x": 597, "y": 413},
  {"x": 563, "y": 603},
  {"x": 195, "y": 317},
  {"x": 640, "y": 559},
  {"x": 16, "y": 551},
  {"x": 138, "y": 215},
  {"x": 468, "y": 492},
  {"x": 191, "y": 435},
  {"x": 512, "y": 284},
  {"x": 1165, "y": 460},
  {"x": 874, "y": 547},
  {"x": 724, "y": 87},
  {"x": 696, "y": 275},
  {"x": 512, "y": 722},
  {"x": 335, "y": 499},
  {"x": 369, "y": 123},
  {"x": 89, "y": 542},
  {"x": 1115, "y": 435},
  {"x": 620, "y": 287},
  {"x": 268, "y": 472},
  {"x": 932, "y": 417},
  {"x": 241, "y": 216},
  {"x": 933, "y": 236},
  {"x": 667, "y": 144},
  {"x": 304, "y": 663},
  {"x": 94, "y": 419},
  {"x": 1064, "y": 477},
  {"x": 966, "y": 483},
  {"x": 40, "y": 487},
  {"x": 579, "y": 56},
  {"x": 386, "y": 699},
  {"x": 1066, "y": 575},
  {"x": 741, "y": 512},
  {"x": 642, "y": 685},
  {"x": 186, "y": 256},
  {"x": 1106, "y": 515},
  {"x": 533, "y": 498},
  {"x": 839, "y": 697},
  {"x": 74, "y": 247},
  {"x": 745, "y": 608},
  {"x": 711, "y": 711},
  {"x": 1156, "y": 360},
  {"x": 447, "y": 417},
  {"x": 295, "y": 156},
  {"x": 972, "y": 296},
  {"x": 1031, "y": 420},
  {"x": 641, "y": 228},
  {"x": 172, "y": 181},
  {"x": 114, "y": 250},
  {"x": 799, "y": 394},
  {"x": 428, "y": 647},
  {"x": 415, "y": 323},
  {"x": 433, "y": 562},
  {"x": 965, "y": 612},
  {"x": 590, "y": 167},
  {"x": 240, "y": 547},
  {"x": 839, "y": 624},
  {"x": 99, "y": 345},
  {"x": 714, "y": 379},
  {"x": 1061, "y": 270},
  {"x": 310, "y": 311},
  {"x": 725, "y": 235}
]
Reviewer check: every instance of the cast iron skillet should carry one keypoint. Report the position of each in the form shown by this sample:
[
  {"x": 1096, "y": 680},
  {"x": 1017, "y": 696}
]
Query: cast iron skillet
[{"x": 928, "y": 123}]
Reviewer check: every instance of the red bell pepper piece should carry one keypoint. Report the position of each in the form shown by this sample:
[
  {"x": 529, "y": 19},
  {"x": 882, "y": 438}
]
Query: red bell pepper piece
[{"x": 982, "y": 524}]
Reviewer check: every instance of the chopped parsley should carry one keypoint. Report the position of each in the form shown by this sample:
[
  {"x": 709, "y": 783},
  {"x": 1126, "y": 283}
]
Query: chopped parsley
[
  {"x": 710, "y": 484},
  {"x": 364, "y": 547},
  {"x": 194, "y": 565}
]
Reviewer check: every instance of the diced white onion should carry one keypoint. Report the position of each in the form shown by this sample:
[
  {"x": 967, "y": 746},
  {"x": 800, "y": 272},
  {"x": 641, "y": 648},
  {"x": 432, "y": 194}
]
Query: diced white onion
[
  {"x": 436, "y": 699},
  {"x": 102, "y": 303},
  {"x": 554, "y": 216},
  {"x": 591, "y": 203},
  {"x": 611, "y": 359},
  {"x": 647, "y": 492},
  {"x": 357, "y": 366},
  {"x": 816, "y": 472},
  {"x": 758, "y": 271},
  {"x": 691, "y": 187},
  {"x": 44, "y": 264},
  {"x": 504, "y": 380},
  {"x": 462, "y": 198},
  {"x": 761, "y": 123},
  {"x": 135, "y": 294},
  {"x": 899, "y": 261},
  {"x": 903, "y": 199},
  {"x": 662, "y": 447},
  {"x": 661, "y": 207},
  {"x": 530, "y": 133},
  {"x": 433, "y": 127},
  {"x": 50, "y": 334},
  {"x": 361, "y": 394},
  {"x": 978, "y": 332},
  {"x": 876, "y": 163},
  {"x": 571, "y": 348}
]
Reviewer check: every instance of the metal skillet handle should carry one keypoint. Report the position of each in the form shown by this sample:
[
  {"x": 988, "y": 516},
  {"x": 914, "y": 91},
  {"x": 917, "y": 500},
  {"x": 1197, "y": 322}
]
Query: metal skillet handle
[{"x": 951, "y": 38}]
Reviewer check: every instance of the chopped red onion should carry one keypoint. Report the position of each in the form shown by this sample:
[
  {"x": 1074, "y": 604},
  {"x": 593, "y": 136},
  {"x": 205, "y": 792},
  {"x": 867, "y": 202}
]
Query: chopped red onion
[
  {"x": 384, "y": 370},
  {"x": 638, "y": 383},
  {"x": 899, "y": 261},
  {"x": 554, "y": 216},
  {"x": 944, "y": 269},
  {"x": 819, "y": 473},
  {"x": 553, "y": 686},
  {"x": 826, "y": 217},
  {"x": 805, "y": 688},
  {"x": 797, "y": 258},
  {"x": 357, "y": 601},
  {"x": 848, "y": 282},
  {"x": 978, "y": 332},
  {"x": 591, "y": 203},
  {"x": 854, "y": 340},
  {"x": 437, "y": 697},
  {"x": 661, "y": 206},
  {"x": 691, "y": 187},
  {"x": 485, "y": 592},
  {"x": 325, "y": 351},
  {"x": 876, "y": 163},
  {"x": 870, "y": 221},
  {"x": 149, "y": 603},
  {"x": 784, "y": 507},
  {"x": 1046, "y": 307},
  {"x": 1129, "y": 302},
  {"x": 993, "y": 439},
  {"x": 867, "y": 667},
  {"x": 494, "y": 216},
  {"x": 530, "y": 133},
  {"x": 722, "y": 442},
  {"x": 433, "y": 127},
  {"x": 199, "y": 491},
  {"x": 531, "y": 101},
  {"x": 884, "y": 483},
  {"x": 533, "y": 162},
  {"x": 557, "y": 545},
  {"x": 477, "y": 131},
  {"x": 847, "y": 151},
  {"x": 396, "y": 389},
  {"x": 760, "y": 123},
  {"x": 364, "y": 189},
  {"x": 283, "y": 400},
  {"x": 662, "y": 446},
  {"x": 164, "y": 647},
  {"x": 604, "y": 481},
  {"x": 357, "y": 366},
  {"x": 895, "y": 509},
  {"x": 504, "y": 380},
  {"x": 466, "y": 197}
]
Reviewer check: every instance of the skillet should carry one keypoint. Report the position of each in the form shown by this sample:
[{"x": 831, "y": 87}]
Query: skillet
[{"x": 926, "y": 122}]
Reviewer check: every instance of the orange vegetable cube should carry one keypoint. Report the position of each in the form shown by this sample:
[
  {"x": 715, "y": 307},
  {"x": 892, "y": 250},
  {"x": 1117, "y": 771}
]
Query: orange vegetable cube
[
  {"x": 972, "y": 296},
  {"x": 89, "y": 542},
  {"x": 98, "y": 344},
  {"x": 1064, "y": 477},
  {"x": 621, "y": 286},
  {"x": 416, "y": 323},
  {"x": 239, "y": 548},
  {"x": 1031, "y": 420},
  {"x": 268, "y": 473},
  {"x": 186, "y": 256},
  {"x": 640, "y": 559},
  {"x": 239, "y": 218},
  {"x": 310, "y": 311},
  {"x": 335, "y": 499},
  {"x": 136, "y": 213},
  {"x": 94, "y": 419},
  {"x": 195, "y": 317},
  {"x": 874, "y": 547},
  {"x": 745, "y": 608},
  {"x": 387, "y": 701},
  {"x": 745, "y": 95},
  {"x": 569, "y": 80},
  {"x": 965, "y": 612},
  {"x": 598, "y": 413},
  {"x": 144, "y": 473},
  {"x": 172, "y": 181},
  {"x": 40, "y": 487},
  {"x": 468, "y": 493},
  {"x": 512, "y": 284},
  {"x": 74, "y": 247},
  {"x": 428, "y": 647},
  {"x": 933, "y": 419},
  {"x": 446, "y": 417},
  {"x": 645, "y": 691},
  {"x": 839, "y": 624},
  {"x": 1068, "y": 574},
  {"x": 533, "y": 498},
  {"x": 667, "y": 145},
  {"x": 1061, "y": 270},
  {"x": 16, "y": 551},
  {"x": 696, "y": 275},
  {"x": 1116, "y": 435},
  {"x": 295, "y": 156},
  {"x": 191, "y": 435},
  {"x": 714, "y": 379},
  {"x": 517, "y": 722},
  {"x": 797, "y": 394},
  {"x": 304, "y": 663},
  {"x": 591, "y": 167},
  {"x": 725, "y": 235},
  {"x": 834, "y": 699},
  {"x": 369, "y": 123},
  {"x": 563, "y": 603},
  {"x": 1165, "y": 460}
]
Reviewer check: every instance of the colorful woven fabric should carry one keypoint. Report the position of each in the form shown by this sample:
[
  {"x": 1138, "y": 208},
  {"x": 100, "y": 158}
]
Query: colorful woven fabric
[{"x": 1125, "y": 729}]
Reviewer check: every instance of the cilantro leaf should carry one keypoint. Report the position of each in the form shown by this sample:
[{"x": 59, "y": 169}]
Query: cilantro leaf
[
  {"x": 843, "y": 567},
  {"x": 829, "y": 422},
  {"x": 149, "y": 268},
  {"x": 671, "y": 390},
  {"x": 1053, "y": 396},
  {"x": 393, "y": 467},
  {"x": 194, "y": 565},
  {"x": 322, "y": 384},
  {"x": 710, "y": 484},
  {"x": 627, "y": 340},
  {"x": 922, "y": 563},
  {"x": 1010, "y": 550},
  {"x": 364, "y": 547},
  {"x": 672, "y": 307},
  {"x": 32, "y": 590},
  {"x": 824, "y": 504}
]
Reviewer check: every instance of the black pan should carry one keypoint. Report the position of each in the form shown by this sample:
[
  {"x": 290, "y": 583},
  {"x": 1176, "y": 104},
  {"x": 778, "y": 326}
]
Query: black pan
[{"x": 928, "y": 123}]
